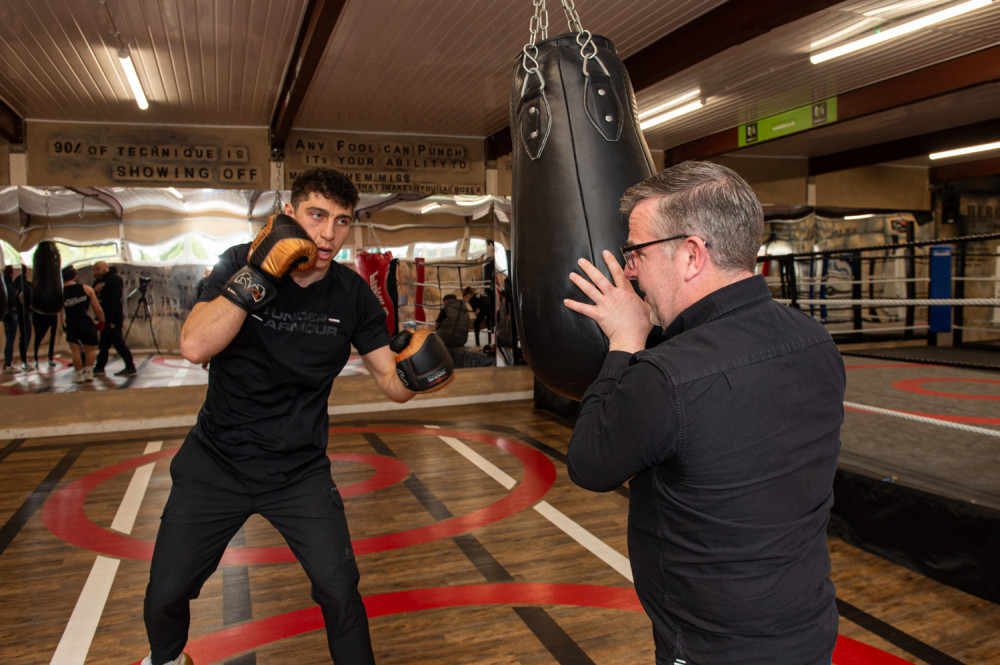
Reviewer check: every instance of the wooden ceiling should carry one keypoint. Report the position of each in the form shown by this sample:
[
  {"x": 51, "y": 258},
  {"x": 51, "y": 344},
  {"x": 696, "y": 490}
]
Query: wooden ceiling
[{"x": 443, "y": 67}]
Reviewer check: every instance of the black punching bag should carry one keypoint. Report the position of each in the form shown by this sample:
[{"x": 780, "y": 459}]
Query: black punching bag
[
  {"x": 46, "y": 284},
  {"x": 577, "y": 147}
]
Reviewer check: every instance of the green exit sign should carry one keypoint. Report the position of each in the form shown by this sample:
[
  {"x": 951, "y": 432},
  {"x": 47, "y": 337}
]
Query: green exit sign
[{"x": 789, "y": 122}]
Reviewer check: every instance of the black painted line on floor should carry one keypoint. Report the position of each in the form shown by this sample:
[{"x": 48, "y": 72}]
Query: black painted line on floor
[
  {"x": 562, "y": 647},
  {"x": 890, "y": 633},
  {"x": 38, "y": 497},
  {"x": 537, "y": 619},
  {"x": 236, "y": 605},
  {"x": 11, "y": 446}
]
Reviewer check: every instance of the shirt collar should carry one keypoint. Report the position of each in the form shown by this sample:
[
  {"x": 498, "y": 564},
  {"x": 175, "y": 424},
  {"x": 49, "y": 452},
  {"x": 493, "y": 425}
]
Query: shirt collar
[{"x": 718, "y": 303}]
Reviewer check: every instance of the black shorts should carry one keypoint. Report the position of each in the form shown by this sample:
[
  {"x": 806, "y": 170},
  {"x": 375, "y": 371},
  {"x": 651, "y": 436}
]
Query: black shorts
[{"x": 81, "y": 331}]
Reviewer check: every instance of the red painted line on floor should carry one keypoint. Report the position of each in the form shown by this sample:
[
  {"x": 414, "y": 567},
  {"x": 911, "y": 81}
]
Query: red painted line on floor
[
  {"x": 229, "y": 642},
  {"x": 916, "y": 386},
  {"x": 65, "y": 517}
]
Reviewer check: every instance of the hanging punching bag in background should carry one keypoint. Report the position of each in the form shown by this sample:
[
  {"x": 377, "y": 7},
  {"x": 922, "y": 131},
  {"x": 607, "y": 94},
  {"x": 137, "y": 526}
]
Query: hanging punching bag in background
[
  {"x": 46, "y": 283},
  {"x": 576, "y": 148},
  {"x": 374, "y": 268}
]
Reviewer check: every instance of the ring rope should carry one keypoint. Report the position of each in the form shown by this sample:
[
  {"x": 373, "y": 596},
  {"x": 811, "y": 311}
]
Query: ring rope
[
  {"x": 922, "y": 419},
  {"x": 917, "y": 302}
]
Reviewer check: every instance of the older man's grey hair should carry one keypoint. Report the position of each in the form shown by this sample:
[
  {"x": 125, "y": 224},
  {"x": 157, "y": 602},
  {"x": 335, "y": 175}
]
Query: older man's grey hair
[{"x": 709, "y": 201}]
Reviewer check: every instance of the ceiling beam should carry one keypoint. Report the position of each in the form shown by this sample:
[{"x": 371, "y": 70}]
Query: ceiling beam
[
  {"x": 730, "y": 24},
  {"x": 320, "y": 18},
  {"x": 963, "y": 170},
  {"x": 11, "y": 124},
  {"x": 940, "y": 79},
  {"x": 911, "y": 146}
]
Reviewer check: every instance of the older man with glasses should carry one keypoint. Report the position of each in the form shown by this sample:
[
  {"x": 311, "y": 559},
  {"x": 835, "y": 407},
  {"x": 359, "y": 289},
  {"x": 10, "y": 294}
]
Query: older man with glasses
[{"x": 728, "y": 428}]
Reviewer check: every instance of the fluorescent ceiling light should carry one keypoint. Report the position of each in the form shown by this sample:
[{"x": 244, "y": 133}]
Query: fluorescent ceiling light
[
  {"x": 133, "y": 78},
  {"x": 846, "y": 217},
  {"x": 965, "y": 151},
  {"x": 899, "y": 30},
  {"x": 857, "y": 27},
  {"x": 670, "y": 115},
  {"x": 174, "y": 191},
  {"x": 429, "y": 207},
  {"x": 673, "y": 102},
  {"x": 899, "y": 5}
]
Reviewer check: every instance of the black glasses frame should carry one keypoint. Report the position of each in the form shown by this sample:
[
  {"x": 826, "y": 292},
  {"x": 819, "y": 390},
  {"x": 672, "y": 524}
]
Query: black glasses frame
[{"x": 627, "y": 250}]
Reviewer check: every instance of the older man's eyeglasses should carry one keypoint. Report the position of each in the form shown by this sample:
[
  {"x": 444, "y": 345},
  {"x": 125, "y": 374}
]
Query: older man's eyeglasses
[{"x": 628, "y": 251}]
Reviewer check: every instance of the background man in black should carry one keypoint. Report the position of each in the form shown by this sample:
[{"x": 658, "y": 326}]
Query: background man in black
[{"x": 108, "y": 285}]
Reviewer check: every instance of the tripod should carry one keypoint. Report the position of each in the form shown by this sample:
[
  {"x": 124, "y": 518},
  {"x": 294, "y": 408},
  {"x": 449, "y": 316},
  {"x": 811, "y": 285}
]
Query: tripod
[{"x": 142, "y": 304}]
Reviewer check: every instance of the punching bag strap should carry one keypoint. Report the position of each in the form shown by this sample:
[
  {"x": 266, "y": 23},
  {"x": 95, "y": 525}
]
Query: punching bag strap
[
  {"x": 600, "y": 99},
  {"x": 534, "y": 120}
]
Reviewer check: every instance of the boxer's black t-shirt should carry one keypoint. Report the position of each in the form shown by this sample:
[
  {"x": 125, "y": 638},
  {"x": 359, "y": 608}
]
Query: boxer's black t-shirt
[{"x": 265, "y": 413}]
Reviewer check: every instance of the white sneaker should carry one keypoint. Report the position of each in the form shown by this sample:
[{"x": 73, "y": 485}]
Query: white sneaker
[
  {"x": 77, "y": 376},
  {"x": 88, "y": 374},
  {"x": 182, "y": 659}
]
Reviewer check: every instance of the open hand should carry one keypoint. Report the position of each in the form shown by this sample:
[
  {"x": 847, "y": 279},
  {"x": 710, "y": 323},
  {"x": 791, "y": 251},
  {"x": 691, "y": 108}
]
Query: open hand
[{"x": 617, "y": 308}]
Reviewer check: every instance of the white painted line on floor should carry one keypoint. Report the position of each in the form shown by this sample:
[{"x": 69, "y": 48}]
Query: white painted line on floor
[
  {"x": 589, "y": 541},
  {"x": 601, "y": 550},
  {"x": 82, "y": 625},
  {"x": 79, "y": 633},
  {"x": 178, "y": 379}
]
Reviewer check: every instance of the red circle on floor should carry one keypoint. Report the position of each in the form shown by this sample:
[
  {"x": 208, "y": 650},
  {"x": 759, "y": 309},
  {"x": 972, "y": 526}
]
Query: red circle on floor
[
  {"x": 65, "y": 517},
  {"x": 915, "y": 386}
]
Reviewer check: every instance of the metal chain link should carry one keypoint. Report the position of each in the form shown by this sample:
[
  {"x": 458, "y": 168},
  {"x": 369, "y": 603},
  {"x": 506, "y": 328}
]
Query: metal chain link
[{"x": 539, "y": 25}]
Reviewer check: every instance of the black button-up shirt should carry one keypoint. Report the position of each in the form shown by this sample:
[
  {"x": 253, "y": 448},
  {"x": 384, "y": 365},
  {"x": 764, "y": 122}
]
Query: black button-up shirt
[{"x": 729, "y": 429}]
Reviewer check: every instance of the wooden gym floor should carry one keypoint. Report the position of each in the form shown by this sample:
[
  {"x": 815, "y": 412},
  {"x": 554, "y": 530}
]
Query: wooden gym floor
[{"x": 474, "y": 546}]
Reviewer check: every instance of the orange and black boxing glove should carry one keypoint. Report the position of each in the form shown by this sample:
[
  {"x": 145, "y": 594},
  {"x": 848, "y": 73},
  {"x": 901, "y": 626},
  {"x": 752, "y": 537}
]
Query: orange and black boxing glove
[
  {"x": 423, "y": 363},
  {"x": 280, "y": 247}
]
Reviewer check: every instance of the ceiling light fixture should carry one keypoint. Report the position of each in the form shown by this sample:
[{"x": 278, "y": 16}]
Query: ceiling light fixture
[
  {"x": 898, "y": 6},
  {"x": 133, "y": 78},
  {"x": 429, "y": 207},
  {"x": 672, "y": 103},
  {"x": 965, "y": 151},
  {"x": 899, "y": 30},
  {"x": 173, "y": 190},
  {"x": 670, "y": 115},
  {"x": 865, "y": 216}
]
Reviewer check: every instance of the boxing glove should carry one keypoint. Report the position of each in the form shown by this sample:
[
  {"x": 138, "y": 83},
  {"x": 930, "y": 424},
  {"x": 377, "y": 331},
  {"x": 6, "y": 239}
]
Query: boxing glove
[
  {"x": 280, "y": 247},
  {"x": 423, "y": 363}
]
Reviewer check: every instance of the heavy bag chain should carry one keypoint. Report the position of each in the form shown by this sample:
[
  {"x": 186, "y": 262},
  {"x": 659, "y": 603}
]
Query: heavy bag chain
[{"x": 539, "y": 25}]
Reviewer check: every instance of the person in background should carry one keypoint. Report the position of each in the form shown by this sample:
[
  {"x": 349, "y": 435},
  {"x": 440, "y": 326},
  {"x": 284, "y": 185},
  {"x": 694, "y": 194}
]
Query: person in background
[
  {"x": 45, "y": 324},
  {"x": 81, "y": 331},
  {"x": 278, "y": 319},
  {"x": 11, "y": 320},
  {"x": 22, "y": 300},
  {"x": 109, "y": 288},
  {"x": 727, "y": 428}
]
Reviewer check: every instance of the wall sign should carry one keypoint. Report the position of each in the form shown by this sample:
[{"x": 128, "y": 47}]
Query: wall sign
[
  {"x": 789, "y": 122},
  {"x": 99, "y": 155},
  {"x": 380, "y": 163}
]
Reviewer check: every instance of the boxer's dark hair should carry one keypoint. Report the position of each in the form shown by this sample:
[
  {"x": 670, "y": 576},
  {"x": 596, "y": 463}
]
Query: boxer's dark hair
[
  {"x": 68, "y": 273},
  {"x": 334, "y": 185}
]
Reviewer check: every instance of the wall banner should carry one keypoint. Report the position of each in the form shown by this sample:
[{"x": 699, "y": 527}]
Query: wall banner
[
  {"x": 384, "y": 163},
  {"x": 89, "y": 155}
]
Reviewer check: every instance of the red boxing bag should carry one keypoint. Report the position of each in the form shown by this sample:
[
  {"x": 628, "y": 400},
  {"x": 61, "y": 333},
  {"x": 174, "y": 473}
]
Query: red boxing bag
[
  {"x": 47, "y": 284},
  {"x": 577, "y": 147},
  {"x": 375, "y": 269}
]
